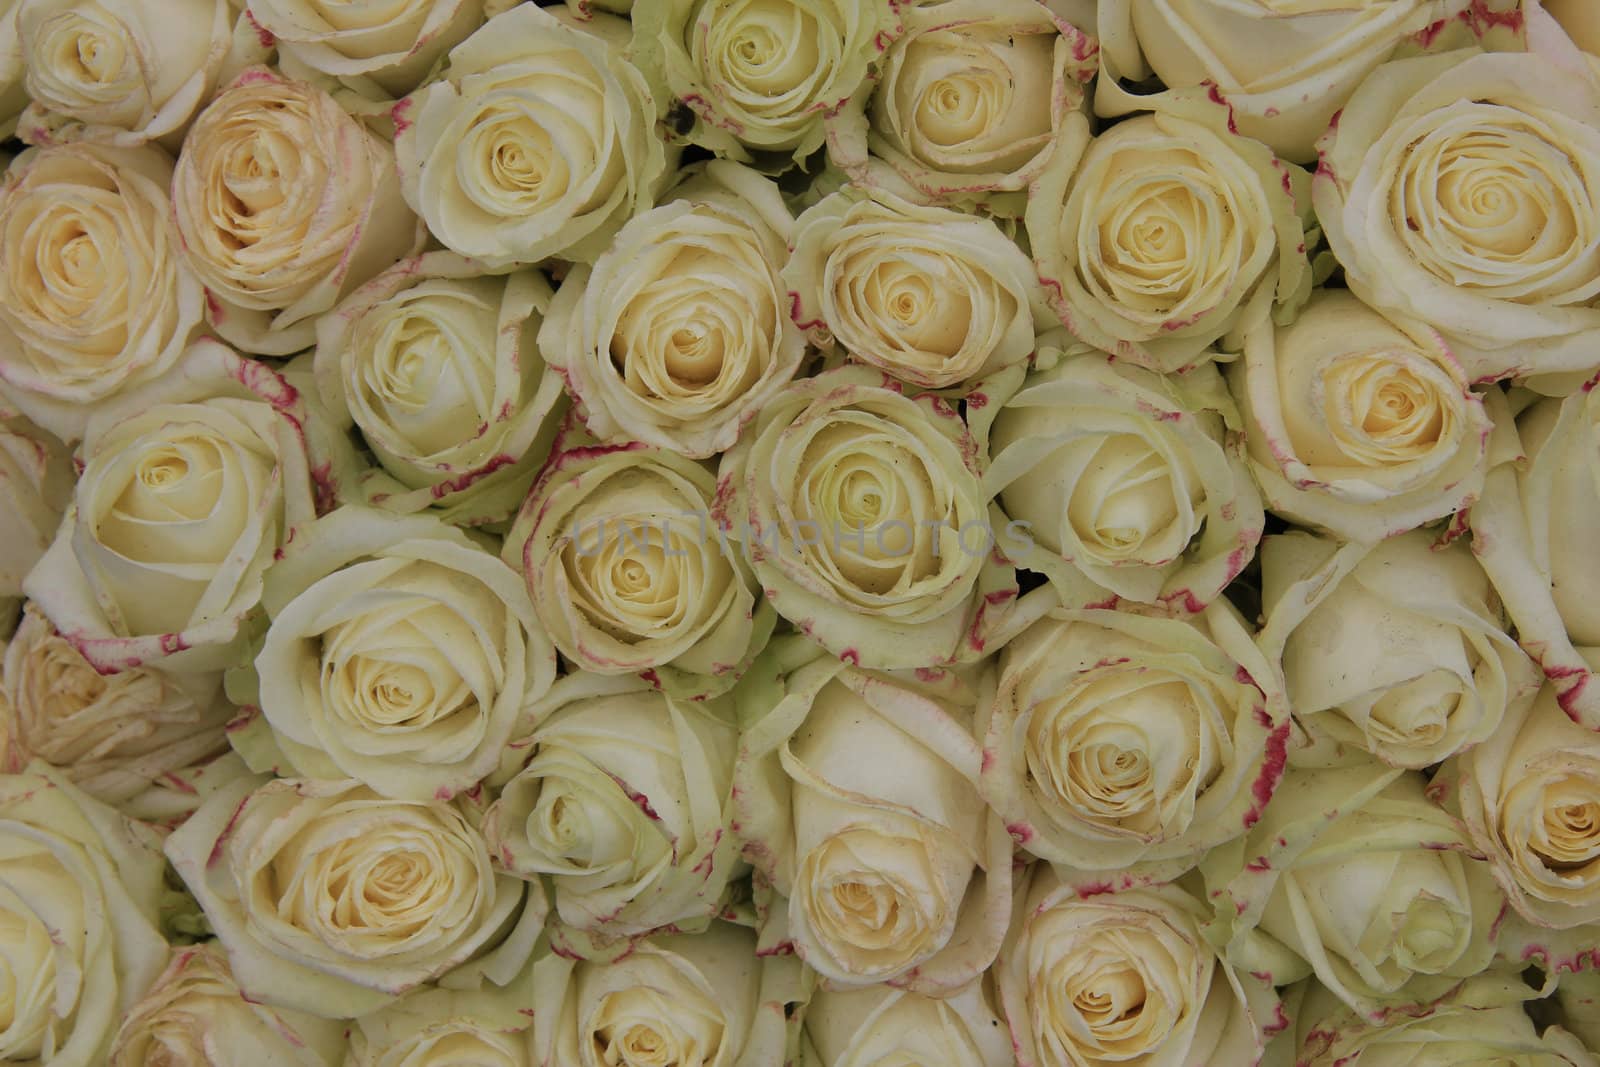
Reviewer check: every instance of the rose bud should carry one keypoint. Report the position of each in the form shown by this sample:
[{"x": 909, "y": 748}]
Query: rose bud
[
  {"x": 857, "y": 798},
  {"x": 538, "y": 141},
  {"x": 1355, "y": 875},
  {"x": 94, "y": 297},
  {"x": 284, "y": 204},
  {"x": 1362, "y": 426},
  {"x": 932, "y": 296},
  {"x": 1398, "y": 648},
  {"x": 759, "y": 75},
  {"x": 190, "y": 487},
  {"x": 440, "y": 371},
  {"x": 1116, "y": 742},
  {"x": 1171, "y": 232},
  {"x": 1459, "y": 190},
  {"x": 621, "y": 795},
  {"x": 332, "y": 900},
  {"x": 1131, "y": 485},
  {"x": 680, "y": 333},
  {"x": 1530, "y": 795},
  {"x": 195, "y": 1015},
  {"x": 120, "y": 72},
  {"x": 970, "y": 101},
  {"x": 399, "y": 653},
  {"x": 1127, "y": 977},
  {"x": 80, "y": 906}
]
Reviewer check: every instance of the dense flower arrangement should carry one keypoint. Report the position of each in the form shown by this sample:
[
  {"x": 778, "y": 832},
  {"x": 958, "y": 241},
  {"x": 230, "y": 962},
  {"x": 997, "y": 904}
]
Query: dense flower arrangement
[{"x": 800, "y": 533}]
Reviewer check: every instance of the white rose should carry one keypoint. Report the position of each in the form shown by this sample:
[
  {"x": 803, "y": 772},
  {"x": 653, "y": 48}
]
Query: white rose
[
  {"x": 190, "y": 486},
  {"x": 1579, "y": 997},
  {"x": 489, "y": 1027},
  {"x": 439, "y": 370},
  {"x": 36, "y": 479},
  {"x": 880, "y": 1026},
  {"x": 13, "y": 96},
  {"x": 621, "y": 796},
  {"x": 195, "y": 1016},
  {"x": 1357, "y": 424},
  {"x": 1123, "y": 978},
  {"x": 284, "y": 204},
  {"x": 1581, "y": 22},
  {"x": 680, "y": 332},
  {"x": 399, "y": 653},
  {"x": 94, "y": 297},
  {"x": 1131, "y": 484},
  {"x": 932, "y": 296},
  {"x": 80, "y": 897},
  {"x": 1115, "y": 741},
  {"x": 1484, "y": 1021},
  {"x": 1355, "y": 875},
  {"x": 857, "y": 797},
  {"x": 538, "y": 142},
  {"x": 759, "y": 76},
  {"x": 698, "y": 1000},
  {"x": 969, "y": 102},
  {"x": 332, "y": 900},
  {"x": 115, "y": 736},
  {"x": 863, "y": 513},
  {"x": 628, "y": 574},
  {"x": 1463, "y": 190},
  {"x": 1398, "y": 648},
  {"x": 1532, "y": 532},
  {"x": 1530, "y": 795},
  {"x": 1169, "y": 233},
  {"x": 389, "y": 46},
  {"x": 119, "y": 71},
  {"x": 1288, "y": 65}
]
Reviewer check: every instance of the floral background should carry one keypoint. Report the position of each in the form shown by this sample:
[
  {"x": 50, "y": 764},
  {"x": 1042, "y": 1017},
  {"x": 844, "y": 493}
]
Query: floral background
[{"x": 832, "y": 533}]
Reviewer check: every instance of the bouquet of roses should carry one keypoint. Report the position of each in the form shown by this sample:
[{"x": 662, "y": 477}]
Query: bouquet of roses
[{"x": 800, "y": 533}]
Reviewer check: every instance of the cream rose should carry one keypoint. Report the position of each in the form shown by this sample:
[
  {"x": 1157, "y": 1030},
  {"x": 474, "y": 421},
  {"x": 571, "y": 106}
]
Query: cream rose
[
  {"x": 1530, "y": 795},
  {"x": 400, "y": 654},
  {"x": 385, "y": 48},
  {"x": 970, "y": 101},
  {"x": 538, "y": 142},
  {"x": 489, "y": 1027},
  {"x": 1398, "y": 648},
  {"x": 1579, "y": 997},
  {"x": 932, "y": 296},
  {"x": 699, "y": 1000},
  {"x": 1118, "y": 742},
  {"x": 880, "y": 1026},
  {"x": 116, "y": 736},
  {"x": 119, "y": 71},
  {"x": 94, "y": 297},
  {"x": 80, "y": 897},
  {"x": 190, "y": 486},
  {"x": 13, "y": 96},
  {"x": 1532, "y": 531},
  {"x": 195, "y": 1016},
  {"x": 1463, "y": 190},
  {"x": 1358, "y": 424},
  {"x": 1131, "y": 484},
  {"x": 629, "y": 573},
  {"x": 1171, "y": 232},
  {"x": 1580, "y": 21},
  {"x": 440, "y": 372},
  {"x": 759, "y": 76},
  {"x": 1123, "y": 978},
  {"x": 36, "y": 479},
  {"x": 1353, "y": 874},
  {"x": 332, "y": 900},
  {"x": 680, "y": 332},
  {"x": 284, "y": 203},
  {"x": 621, "y": 796},
  {"x": 1285, "y": 67},
  {"x": 1483, "y": 1022},
  {"x": 857, "y": 797},
  {"x": 863, "y": 513}
]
